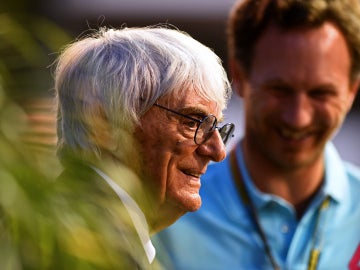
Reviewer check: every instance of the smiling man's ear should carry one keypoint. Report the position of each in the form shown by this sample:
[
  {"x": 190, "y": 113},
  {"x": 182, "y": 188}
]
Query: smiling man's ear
[
  {"x": 238, "y": 77},
  {"x": 354, "y": 89}
]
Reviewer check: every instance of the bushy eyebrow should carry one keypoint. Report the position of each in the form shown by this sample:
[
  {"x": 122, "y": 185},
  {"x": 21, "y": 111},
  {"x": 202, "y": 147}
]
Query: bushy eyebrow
[
  {"x": 288, "y": 86},
  {"x": 198, "y": 111},
  {"x": 275, "y": 82}
]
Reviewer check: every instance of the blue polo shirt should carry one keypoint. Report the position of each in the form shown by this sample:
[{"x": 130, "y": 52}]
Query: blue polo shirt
[{"x": 221, "y": 235}]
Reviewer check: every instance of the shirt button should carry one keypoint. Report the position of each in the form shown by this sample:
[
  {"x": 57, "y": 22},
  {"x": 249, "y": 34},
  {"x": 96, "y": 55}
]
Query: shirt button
[{"x": 284, "y": 229}]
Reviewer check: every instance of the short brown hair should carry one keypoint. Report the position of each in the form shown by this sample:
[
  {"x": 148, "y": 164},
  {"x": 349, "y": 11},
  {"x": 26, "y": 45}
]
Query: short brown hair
[{"x": 249, "y": 18}]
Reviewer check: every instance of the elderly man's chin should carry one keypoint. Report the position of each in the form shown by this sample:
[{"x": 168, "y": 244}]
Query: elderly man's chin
[{"x": 192, "y": 202}]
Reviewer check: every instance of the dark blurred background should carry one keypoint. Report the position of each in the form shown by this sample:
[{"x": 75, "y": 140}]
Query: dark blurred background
[{"x": 50, "y": 24}]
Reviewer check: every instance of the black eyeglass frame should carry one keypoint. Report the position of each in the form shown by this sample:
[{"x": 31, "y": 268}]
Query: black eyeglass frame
[{"x": 225, "y": 139}]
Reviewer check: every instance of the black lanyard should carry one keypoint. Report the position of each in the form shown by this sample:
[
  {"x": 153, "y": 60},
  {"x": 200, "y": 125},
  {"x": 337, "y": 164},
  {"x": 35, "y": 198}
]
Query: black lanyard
[{"x": 244, "y": 194}]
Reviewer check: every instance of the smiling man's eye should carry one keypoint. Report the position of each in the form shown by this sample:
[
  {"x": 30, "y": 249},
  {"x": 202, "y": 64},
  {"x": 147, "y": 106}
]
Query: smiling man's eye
[
  {"x": 322, "y": 93},
  {"x": 279, "y": 90}
]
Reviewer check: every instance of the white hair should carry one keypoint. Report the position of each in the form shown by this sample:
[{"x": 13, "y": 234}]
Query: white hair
[{"x": 118, "y": 74}]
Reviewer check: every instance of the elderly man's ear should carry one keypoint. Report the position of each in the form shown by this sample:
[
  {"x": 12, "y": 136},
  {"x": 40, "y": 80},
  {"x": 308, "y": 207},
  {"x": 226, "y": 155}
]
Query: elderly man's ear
[
  {"x": 104, "y": 139},
  {"x": 101, "y": 133}
]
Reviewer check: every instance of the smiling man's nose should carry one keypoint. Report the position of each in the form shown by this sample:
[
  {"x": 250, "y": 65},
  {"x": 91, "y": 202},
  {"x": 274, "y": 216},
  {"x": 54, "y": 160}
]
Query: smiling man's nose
[{"x": 297, "y": 112}]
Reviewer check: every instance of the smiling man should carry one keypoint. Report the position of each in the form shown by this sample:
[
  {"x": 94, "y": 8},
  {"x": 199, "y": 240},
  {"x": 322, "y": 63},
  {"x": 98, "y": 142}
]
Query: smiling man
[
  {"x": 138, "y": 123},
  {"x": 283, "y": 199}
]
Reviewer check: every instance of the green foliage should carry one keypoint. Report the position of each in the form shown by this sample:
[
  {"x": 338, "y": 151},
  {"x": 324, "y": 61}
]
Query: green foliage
[
  {"x": 44, "y": 226},
  {"x": 39, "y": 229},
  {"x": 28, "y": 46}
]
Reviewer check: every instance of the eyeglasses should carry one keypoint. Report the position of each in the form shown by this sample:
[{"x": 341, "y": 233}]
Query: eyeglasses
[{"x": 206, "y": 126}]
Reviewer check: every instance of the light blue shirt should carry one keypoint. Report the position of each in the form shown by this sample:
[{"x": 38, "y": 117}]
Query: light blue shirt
[{"x": 222, "y": 236}]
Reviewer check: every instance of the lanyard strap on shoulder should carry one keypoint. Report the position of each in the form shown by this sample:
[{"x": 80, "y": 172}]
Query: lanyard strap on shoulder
[
  {"x": 318, "y": 230},
  {"x": 247, "y": 201},
  {"x": 238, "y": 177}
]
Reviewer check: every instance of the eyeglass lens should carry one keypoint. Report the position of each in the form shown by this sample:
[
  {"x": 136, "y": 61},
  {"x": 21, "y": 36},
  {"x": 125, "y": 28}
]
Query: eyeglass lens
[
  {"x": 205, "y": 127},
  {"x": 208, "y": 125}
]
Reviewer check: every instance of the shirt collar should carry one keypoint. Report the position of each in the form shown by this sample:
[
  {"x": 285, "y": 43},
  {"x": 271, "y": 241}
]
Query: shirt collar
[
  {"x": 335, "y": 183},
  {"x": 136, "y": 214},
  {"x": 258, "y": 198}
]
